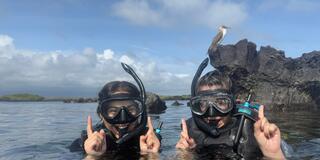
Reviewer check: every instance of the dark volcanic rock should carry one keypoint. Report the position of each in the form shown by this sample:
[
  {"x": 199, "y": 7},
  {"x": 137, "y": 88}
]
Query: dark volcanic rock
[
  {"x": 277, "y": 81},
  {"x": 154, "y": 104},
  {"x": 80, "y": 100},
  {"x": 176, "y": 103}
]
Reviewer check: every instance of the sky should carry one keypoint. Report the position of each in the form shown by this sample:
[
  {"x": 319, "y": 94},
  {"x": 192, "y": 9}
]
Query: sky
[{"x": 74, "y": 47}]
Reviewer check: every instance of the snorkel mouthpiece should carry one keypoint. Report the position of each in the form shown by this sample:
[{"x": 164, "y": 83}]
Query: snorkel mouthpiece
[{"x": 123, "y": 131}]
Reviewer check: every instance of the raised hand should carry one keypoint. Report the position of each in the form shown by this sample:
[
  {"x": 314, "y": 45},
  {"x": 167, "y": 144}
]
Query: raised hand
[
  {"x": 149, "y": 142},
  {"x": 185, "y": 142},
  {"x": 268, "y": 137},
  {"x": 95, "y": 144}
]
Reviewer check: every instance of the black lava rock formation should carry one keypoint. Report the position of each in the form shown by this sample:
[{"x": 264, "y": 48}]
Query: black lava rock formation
[
  {"x": 278, "y": 82},
  {"x": 154, "y": 104}
]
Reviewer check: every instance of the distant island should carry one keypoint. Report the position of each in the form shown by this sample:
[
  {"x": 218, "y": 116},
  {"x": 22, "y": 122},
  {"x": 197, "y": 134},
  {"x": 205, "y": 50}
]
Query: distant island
[
  {"x": 182, "y": 97},
  {"x": 21, "y": 97}
]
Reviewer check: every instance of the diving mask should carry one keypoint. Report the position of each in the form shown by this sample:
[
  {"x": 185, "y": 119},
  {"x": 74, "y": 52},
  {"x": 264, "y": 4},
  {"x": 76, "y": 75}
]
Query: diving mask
[
  {"x": 121, "y": 111},
  {"x": 212, "y": 103}
]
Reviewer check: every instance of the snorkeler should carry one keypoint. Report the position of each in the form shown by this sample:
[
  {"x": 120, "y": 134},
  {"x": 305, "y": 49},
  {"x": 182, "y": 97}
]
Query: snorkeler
[
  {"x": 213, "y": 123},
  {"x": 124, "y": 123}
]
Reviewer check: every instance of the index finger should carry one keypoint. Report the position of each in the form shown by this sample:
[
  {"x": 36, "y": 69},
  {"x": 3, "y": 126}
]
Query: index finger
[
  {"x": 89, "y": 126},
  {"x": 261, "y": 112},
  {"x": 184, "y": 126},
  {"x": 150, "y": 126}
]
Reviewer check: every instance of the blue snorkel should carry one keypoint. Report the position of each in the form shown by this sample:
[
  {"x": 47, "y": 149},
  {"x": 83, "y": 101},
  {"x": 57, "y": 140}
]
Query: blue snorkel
[{"x": 247, "y": 111}]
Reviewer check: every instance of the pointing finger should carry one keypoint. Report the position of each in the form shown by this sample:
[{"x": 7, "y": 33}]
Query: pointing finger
[
  {"x": 89, "y": 126},
  {"x": 150, "y": 126},
  {"x": 184, "y": 127},
  {"x": 261, "y": 112}
]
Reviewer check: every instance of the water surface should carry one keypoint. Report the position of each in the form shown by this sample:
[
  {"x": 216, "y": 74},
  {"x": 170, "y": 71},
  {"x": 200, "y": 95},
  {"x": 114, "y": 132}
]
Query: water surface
[{"x": 44, "y": 130}]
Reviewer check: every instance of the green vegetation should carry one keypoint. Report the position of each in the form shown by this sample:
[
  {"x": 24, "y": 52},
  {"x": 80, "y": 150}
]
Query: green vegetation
[
  {"x": 21, "y": 97},
  {"x": 182, "y": 97}
]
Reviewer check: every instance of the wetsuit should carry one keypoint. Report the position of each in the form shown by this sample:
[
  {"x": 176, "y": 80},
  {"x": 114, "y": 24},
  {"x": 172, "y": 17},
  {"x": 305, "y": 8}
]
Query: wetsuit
[
  {"x": 132, "y": 144},
  {"x": 248, "y": 147}
]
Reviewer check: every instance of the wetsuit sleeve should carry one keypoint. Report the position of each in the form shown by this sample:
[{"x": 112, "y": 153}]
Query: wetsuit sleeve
[
  {"x": 84, "y": 137},
  {"x": 286, "y": 149},
  {"x": 78, "y": 144}
]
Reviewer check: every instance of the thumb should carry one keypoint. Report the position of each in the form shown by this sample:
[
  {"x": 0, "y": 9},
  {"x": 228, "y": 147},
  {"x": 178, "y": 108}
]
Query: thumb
[
  {"x": 143, "y": 139},
  {"x": 102, "y": 133}
]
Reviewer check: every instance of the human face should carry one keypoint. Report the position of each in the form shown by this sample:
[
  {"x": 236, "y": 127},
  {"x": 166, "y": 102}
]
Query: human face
[
  {"x": 114, "y": 128},
  {"x": 219, "y": 120}
]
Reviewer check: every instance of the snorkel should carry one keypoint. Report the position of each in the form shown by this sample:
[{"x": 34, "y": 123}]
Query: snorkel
[
  {"x": 143, "y": 96},
  {"x": 123, "y": 116},
  {"x": 245, "y": 110}
]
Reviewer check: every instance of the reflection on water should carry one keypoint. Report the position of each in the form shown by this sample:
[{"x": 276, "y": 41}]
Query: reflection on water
[{"x": 45, "y": 130}]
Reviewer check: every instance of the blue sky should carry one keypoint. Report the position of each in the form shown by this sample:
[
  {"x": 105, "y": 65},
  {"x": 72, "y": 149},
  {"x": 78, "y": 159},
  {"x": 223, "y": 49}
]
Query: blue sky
[{"x": 164, "y": 40}]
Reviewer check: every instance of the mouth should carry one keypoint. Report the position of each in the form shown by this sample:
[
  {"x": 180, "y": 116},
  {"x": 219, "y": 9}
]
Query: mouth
[
  {"x": 121, "y": 126},
  {"x": 217, "y": 121},
  {"x": 210, "y": 119}
]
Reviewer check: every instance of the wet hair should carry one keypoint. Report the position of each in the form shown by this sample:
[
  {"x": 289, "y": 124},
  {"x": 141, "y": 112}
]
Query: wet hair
[
  {"x": 214, "y": 78},
  {"x": 114, "y": 88}
]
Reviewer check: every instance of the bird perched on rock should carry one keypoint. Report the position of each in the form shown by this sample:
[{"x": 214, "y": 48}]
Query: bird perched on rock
[{"x": 218, "y": 38}]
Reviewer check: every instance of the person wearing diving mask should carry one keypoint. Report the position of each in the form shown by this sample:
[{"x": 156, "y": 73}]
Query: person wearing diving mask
[
  {"x": 124, "y": 123},
  {"x": 214, "y": 125}
]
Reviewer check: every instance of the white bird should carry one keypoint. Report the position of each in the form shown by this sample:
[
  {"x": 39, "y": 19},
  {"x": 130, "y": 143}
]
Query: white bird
[{"x": 218, "y": 38}]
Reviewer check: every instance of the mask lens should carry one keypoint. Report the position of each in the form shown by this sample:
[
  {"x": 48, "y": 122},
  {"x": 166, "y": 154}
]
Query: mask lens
[
  {"x": 111, "y": 112},
  {"x": 135, "y": 108},
  {"x": 199, "y": 106},
  {"x": 224, "y": 104}
]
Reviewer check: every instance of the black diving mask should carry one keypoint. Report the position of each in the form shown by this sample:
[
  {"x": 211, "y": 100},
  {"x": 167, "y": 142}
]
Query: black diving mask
[
  {"x": 121, "y": 111},
  {"x": 212, "y": 103}
]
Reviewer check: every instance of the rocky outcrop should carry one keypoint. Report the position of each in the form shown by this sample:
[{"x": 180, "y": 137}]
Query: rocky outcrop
[
  {"x": 176, "y": 103},
  {"x": 278, "y": 82},
  {"x": 80, "y": 100},
  {"x": 154, "y": 104}
]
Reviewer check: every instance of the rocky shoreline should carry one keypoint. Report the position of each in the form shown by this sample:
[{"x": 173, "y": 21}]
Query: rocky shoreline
[{"x": 279, "y": 82}]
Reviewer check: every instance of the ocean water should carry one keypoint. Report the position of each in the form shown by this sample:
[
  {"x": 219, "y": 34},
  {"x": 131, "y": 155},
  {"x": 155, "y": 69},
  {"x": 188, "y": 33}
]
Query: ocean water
[{"x": 44, "y": 130}]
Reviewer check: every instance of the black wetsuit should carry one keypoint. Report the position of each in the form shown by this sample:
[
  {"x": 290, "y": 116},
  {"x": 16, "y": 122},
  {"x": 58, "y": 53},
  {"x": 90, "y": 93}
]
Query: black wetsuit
[
  {"x": 223, "y": 144},
  {"x": 133, "y": 144}
]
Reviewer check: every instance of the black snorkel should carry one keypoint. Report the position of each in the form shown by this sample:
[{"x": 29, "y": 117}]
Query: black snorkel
[
  {"x": 196, "y": 77},
  {"x": 143, "y": 122},
  {"x": 246, "y": 111}
]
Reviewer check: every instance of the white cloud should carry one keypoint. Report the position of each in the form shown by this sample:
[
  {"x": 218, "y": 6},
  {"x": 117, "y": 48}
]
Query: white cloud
[
  {"x": 138, "y": 12},
  {"x": 5, "y": 41},
  {"x": 290, "y": 5},
  {"x": 184, "y": 13},
  {"x": 82, "y": 73}
]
